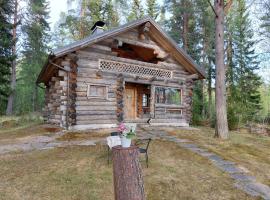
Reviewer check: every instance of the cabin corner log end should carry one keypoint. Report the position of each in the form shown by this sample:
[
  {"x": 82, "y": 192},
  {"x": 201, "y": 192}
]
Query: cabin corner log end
[
  {"x": 72, "y": 91},
  {"x": 127, "y": 173}
]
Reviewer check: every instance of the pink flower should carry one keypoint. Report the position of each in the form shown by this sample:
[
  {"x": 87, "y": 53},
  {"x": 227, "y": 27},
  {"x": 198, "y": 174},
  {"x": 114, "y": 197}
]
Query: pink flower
[{"x": 122, "y": 127}]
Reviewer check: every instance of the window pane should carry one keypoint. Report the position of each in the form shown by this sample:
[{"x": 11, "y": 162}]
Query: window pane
[
  {"x": 168, "y": 95},
  {"x": 97, "y": 91},
  {"x": 93, "y": 90},
  {"x": 145, "y": 99}
]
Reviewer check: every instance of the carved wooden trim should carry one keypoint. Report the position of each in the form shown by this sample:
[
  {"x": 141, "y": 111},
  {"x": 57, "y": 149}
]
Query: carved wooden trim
[{"x": 144, "y": 71}]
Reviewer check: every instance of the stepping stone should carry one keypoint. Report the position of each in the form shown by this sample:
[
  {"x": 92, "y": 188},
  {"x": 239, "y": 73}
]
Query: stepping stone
[
  {"x": 255, "y": 189},
  {"x": 231, "y": 169},
  {"x": 223, "y": 162},
  {"x": 247, "y": 190},
  {"x": 188, "y": 146},
  {"x": 243, "y": 177},
  {"x": 215, "y": 158},
  {"x": 196, "y": 149},
  {"x": 206, "y": 154}
]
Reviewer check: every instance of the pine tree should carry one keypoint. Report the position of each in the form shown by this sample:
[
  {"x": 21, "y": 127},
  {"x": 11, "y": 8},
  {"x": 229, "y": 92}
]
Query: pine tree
[
  {"x": 266, "y": 19},
  {"x": 242, "y": 81},
  {"x": 137, "y": 11},
  {"x": 6, "y": 55},
  {"x": 111, "y": 16},
  {"x": 15, "y": 23},
  {"x": 248, "y": 81},
  {"x": 35, "y": 49},
  {"x": 153, "y": 9}
]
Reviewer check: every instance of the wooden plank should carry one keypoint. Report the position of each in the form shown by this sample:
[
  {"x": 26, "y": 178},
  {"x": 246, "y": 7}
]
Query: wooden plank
[
  {"x": 95, "y": 103},
  {"x": 96, "y": 108},
  {"x": 95, "y": 118},
  {"x": 152, "y": 102},
  {"x": 95, "y": 112},
  {"x": 101, "y": 121},
  {"x": 87, "y": 126}
]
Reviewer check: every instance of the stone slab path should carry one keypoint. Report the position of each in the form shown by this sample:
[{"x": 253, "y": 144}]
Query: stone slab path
[
  {"x": 243, "y": 180},
  {"x": 31, "y": 143}
]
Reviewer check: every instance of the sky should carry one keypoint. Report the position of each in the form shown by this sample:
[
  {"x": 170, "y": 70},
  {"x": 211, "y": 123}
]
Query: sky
[{"x": 56, "y": 7}]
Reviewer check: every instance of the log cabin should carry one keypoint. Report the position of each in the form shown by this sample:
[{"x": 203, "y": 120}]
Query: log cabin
[{"x": 133, "y": 73}]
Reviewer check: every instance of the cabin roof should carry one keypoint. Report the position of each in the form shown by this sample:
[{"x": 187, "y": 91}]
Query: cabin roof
[{"x": 155, "y": 30}]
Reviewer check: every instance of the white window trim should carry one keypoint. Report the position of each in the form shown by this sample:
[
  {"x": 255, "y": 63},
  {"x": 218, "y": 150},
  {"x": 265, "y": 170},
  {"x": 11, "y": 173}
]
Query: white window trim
[
  {"x": 170, "y": 105},
  {"x": 96, "y": 97}
]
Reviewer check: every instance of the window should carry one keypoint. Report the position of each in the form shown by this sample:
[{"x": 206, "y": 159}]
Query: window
[
  {"x": 145, "y": 100},
  {"x": 166, "y": 95},
  {"x": 97, "y": 91}
]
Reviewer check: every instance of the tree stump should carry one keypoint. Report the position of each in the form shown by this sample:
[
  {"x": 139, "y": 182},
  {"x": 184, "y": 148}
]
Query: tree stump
[{"x": 128, "y": 181}]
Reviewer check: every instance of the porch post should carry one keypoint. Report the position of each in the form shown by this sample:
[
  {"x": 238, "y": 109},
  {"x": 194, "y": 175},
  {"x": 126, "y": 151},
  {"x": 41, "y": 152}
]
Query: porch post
[
  {"x": 152, "y": 102},
  {"x": 120, "y": 98}
]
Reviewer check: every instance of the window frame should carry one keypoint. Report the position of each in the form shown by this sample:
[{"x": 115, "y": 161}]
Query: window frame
[
  {"x": 105, "y": 96},
  {"x": 166, "y": 104}
]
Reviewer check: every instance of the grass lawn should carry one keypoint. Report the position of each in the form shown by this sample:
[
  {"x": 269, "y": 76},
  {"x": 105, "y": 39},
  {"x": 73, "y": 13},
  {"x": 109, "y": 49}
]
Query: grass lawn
[
  {"x": 249, "y": 150},
  {"x": 82, "y": 173}
]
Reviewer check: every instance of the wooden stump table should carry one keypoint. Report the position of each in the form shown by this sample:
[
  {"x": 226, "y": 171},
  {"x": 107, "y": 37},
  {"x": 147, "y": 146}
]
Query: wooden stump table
[{"x": 127, "y": 173}]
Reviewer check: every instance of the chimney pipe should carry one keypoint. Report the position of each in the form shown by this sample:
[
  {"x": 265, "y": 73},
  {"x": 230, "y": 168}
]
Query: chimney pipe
[{"x": 98, "y": 27}]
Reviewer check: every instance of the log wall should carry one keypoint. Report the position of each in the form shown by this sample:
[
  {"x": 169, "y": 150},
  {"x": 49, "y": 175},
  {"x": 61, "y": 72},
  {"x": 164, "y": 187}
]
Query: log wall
[
  {"x": 85, "y": 112},
  {"x": 53, "y": 100}
]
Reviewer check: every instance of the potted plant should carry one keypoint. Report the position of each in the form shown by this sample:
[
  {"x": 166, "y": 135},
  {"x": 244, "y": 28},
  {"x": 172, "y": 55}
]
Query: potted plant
[{"x": 127, "y": 134}]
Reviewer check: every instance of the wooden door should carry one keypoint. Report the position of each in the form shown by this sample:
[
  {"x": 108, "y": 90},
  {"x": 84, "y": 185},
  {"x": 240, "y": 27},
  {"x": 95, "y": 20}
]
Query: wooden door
[{"x": 130, "y": 102}]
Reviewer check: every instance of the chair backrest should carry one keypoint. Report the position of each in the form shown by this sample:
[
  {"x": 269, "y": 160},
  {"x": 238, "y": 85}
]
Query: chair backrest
[
  {"x": 145, "y": 142},
  {"x": 115, "y": 133},
  {"x": 149, "y": 140}
]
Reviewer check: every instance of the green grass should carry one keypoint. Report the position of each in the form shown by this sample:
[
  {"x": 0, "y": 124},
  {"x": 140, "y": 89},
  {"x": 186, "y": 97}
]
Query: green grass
[
  {"x": 250, "y": 151},
  {"x": 73, "y": 173}
]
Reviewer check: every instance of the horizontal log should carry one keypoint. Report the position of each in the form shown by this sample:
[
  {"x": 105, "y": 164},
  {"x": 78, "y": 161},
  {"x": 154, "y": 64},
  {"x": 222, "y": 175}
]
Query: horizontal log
[
  {"x": 96, "y": 108},
  {"x": 62, "y": 73},
  {"x": 169, "y": 106},
  {"x": 95, "y": 117},
  {"x": 92, "y": 126},
  {"x": 111, "y": 97},
  {"x": 95, "y": 112},
  {"x": 85, "y": 81},
  {"x": 102, "y": 121},
  {"x": 95, "y": 103},
  {"x": 101, "y": 47},
  {"x": 86, "y": 63}
]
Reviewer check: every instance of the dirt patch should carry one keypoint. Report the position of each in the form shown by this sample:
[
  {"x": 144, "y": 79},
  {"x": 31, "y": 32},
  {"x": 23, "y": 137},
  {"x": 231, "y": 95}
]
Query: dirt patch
[
  {"x": 52, "y": 129},
  {"x": 85, "y": 135},
  {"x": 9, "y": 124}
]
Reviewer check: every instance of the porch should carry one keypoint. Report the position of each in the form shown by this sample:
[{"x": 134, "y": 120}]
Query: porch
[{"x": 153, "y": 105}]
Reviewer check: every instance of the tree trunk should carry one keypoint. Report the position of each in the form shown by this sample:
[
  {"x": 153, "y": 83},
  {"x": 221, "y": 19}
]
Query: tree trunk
[
  {"x": 128, "y": 181},
  {"x": 35, "y": 96},
  {"x": 221, "y": 107},
  {"x": 209, "y": 90},
  {"x": 10, "y": 103},
  {"x": 82, "y": 33},
  {"x": 185, "y": 31}
]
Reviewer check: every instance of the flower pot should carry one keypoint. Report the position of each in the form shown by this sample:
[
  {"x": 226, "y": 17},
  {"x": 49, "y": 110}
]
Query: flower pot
[{"x": 125, "y": 142}]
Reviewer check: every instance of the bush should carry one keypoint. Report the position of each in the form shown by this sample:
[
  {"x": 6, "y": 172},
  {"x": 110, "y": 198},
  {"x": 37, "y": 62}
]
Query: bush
[{"x": 233, "y": 119}]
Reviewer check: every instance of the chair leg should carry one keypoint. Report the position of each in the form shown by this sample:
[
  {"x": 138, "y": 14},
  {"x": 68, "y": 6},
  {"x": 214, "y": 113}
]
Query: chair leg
[
  {"x": 108, "y": 155},
  {"x": 146, "y": 158}
]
